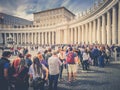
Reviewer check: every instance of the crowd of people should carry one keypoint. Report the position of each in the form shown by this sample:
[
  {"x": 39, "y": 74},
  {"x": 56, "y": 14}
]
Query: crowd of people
[{"x": 47, "y": 66}]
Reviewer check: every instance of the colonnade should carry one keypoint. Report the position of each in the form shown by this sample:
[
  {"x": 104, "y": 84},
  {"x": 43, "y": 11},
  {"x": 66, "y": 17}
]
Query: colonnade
[
  {"x": 102, "y": 27},
  {"x": 35, "y": 38}
]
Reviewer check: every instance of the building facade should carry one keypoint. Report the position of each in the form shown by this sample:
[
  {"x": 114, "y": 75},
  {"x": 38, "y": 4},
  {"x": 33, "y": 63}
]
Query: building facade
[
  {"x": 52, "y": 17},
  {"x": 12, "y": 20},
  {"x": 101, "y": 24}
]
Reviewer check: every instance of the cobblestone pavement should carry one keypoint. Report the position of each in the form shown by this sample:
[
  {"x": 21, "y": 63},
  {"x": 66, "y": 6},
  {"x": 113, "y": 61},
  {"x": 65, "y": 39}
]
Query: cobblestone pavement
[{"x": 96, "y": 79}]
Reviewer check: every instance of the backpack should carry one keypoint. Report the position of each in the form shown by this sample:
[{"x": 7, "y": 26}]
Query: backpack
[
  {"x": 70, "y": 58},
  {"x": 2, "y": 62},
  {"x": 28, "y": 62},
  {"x": 20, "y": 77},
  {"x": 1, "y": 68}
]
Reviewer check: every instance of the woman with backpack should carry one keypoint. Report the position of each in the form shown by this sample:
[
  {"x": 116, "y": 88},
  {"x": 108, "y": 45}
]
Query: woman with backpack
[
  {"x": 36, "y": 74},
  {"x": 20, "y": 77}
]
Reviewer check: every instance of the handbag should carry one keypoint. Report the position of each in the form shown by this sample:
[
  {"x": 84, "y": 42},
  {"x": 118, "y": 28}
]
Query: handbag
[{"x": 37, "y": 82}]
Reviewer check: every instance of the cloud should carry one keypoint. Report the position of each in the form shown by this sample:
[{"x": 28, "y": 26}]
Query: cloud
[
  {"x": 21, "y": 12},
  {"x": 17, "y": 8},
  {"x": 1, "y": 9},
  {"x": 26, "y": 8}
]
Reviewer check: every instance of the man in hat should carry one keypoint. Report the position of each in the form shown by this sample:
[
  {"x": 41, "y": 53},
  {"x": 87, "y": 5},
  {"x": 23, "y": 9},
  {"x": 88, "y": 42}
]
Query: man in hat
[{"x": 4, "y": 70}]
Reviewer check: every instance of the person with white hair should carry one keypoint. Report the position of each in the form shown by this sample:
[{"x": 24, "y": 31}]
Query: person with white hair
[{"x": 54, "y": 63}]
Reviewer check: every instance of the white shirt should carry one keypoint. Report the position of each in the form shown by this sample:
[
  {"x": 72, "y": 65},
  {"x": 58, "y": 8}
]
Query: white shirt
[
  {"x": 54, "y": 63},
  {"x": 85, "y": 56},
  {"x": 31, "y": 71}
]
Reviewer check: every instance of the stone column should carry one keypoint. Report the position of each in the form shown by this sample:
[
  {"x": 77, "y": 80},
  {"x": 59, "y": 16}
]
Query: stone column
[
  {"x": 32, "y": 37},
  {"x": 88, "y": 41},
  {"x": 90, "y": 32},
  {"x": 59, "y": 36},
  {"x": 52, "y": 37},
  {"x": 5, "y": 37},
  {"x": 94, "y": 31},
  {"x": 68, "y": 36},
  {"x": 114, "y": 26},
  {"x": 98, "y": 31},
  {"x": 38, "y": 37},
  {"x": 65, "y": 41},
  {"x": 46, "y": 38},
  {"x": 49, "y": 38},
  {"x": 42, "y": 38},
  {"x": 21, "y": 38},
  {"x": 103, "y": 30},
  {"x": 83, "y": 34},
  {"x": 109, "y": 31},
  {"x": 72, "y": 36},
  {"x": 87, "y": 33},
  {"x": 17, "y": 39},
  {"x": 35, "y": 38},
  {"x": 75, "y": 34},
  {"x": 62, "y": 36},
  {"x": 13, "y": 36},
  {"x": 56, "y": 36},
  {"x": 79, "y": 34},
  {"x": 25, "y": 37},
  {"x": 119, "y": 22},
  {"x": 29, "y": 38}
]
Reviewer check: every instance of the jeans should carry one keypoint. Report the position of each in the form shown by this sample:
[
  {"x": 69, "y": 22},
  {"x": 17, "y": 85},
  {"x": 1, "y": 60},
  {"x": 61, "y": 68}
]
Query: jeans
[
  {"x": 95, "y": 63},
  {"x": 85, "y": 65},
  {"x": 101, "y": 62},
  {"x": 53, "y": 82},
  {"x": 61, "y": 70},
  {"x": 3, "y": 84}
]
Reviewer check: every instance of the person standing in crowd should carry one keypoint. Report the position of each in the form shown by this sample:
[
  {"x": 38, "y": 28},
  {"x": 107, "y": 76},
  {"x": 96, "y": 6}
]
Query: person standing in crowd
[
  {"x": 45, "y": 55},
  {"x": 25, "y": 51},
  {"x": 28, "y": 60},
  {"x": 85, "y": 59},
  {"x": 36, "y": 71},
  {"x": 21, "y": 76},
  {"x": 42, "y": 61},
  {"x": 108, "y": 55},
  {"x": 95, "y": 53},
  {"x": 16, "y": 61},
  {"x": 61, "y": 56},
  {"x": 71, "y": 64},
  {"x": 4, "y": 70},
  {"x": 102, "y": 56},
  {"x": 48, "y": 54},
  {"x": 79, "y": 55},
  {"x": 77, "y": 61},
  {"x": 54, "y": 63}
]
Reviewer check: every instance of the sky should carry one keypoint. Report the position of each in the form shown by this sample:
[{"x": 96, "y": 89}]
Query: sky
[{"x": 26, "y": 8}]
